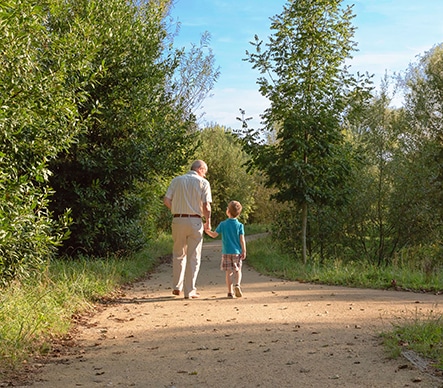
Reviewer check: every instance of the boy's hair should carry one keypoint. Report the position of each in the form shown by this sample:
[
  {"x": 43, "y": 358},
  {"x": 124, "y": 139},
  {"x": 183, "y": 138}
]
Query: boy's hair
[{"x": 234, "y": 208}]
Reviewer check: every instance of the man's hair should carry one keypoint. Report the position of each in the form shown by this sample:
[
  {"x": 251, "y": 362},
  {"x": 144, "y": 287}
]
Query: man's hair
[
  {"x": 234, "y": 208},
  {"x": 197, "y": 164}
]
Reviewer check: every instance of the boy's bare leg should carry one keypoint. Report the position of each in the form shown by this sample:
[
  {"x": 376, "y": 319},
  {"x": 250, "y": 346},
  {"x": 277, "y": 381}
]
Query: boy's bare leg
[
  {"x": 238, "y": 276},
  {"x": 237, "y": 288},
  {"x": 229, "y": 282}
]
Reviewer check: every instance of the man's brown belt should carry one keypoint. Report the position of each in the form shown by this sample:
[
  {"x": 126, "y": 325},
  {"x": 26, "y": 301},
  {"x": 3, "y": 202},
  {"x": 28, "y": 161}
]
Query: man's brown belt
[{"x": 187, "y": 215}]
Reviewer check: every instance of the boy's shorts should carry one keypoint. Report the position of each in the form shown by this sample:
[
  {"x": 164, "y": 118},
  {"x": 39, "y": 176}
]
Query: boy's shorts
[{"x": 231, "y": 262}]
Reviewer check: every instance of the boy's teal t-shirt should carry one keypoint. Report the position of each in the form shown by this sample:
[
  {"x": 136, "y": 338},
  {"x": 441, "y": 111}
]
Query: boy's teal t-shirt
[{"x": 230, "y": 229}]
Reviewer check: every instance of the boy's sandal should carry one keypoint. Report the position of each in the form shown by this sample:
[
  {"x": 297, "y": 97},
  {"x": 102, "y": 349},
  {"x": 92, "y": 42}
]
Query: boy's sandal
[{"x": 237, "y": 291}]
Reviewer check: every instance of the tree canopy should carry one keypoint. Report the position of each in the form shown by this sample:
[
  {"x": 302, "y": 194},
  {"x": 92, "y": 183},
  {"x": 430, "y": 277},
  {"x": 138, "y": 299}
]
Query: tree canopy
[{"x": 304, "y": 76}]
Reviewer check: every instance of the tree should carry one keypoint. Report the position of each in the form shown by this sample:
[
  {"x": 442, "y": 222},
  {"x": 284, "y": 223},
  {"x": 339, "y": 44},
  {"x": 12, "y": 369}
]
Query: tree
[
  {"x": 305, "y": 78},
  {"x": 139, "y": 127},
  {"x": 424, "y": 104},
  {"x": 416, "y": 202},
  {"x": 375, "y": 134},
  {"x": 195, "y": 76}
]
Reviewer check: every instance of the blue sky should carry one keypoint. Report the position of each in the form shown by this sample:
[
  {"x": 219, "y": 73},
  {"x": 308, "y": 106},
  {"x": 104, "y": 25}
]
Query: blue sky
[{"x": 390, "y": 35}]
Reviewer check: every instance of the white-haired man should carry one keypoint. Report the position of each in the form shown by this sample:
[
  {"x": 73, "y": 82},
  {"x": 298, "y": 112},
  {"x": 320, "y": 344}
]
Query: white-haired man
[{"x": 189, "y": 199}]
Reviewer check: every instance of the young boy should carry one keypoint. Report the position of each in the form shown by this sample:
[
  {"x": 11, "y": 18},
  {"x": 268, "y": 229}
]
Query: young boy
[{"x": 233, "y": 247}]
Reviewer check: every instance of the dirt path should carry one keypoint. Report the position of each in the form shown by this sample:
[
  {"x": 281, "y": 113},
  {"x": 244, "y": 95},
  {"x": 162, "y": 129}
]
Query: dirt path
[{"x": 280, "y": 334}]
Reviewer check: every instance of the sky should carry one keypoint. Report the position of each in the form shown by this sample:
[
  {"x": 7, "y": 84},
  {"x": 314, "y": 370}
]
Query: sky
[{"x": 390, "y": 35}]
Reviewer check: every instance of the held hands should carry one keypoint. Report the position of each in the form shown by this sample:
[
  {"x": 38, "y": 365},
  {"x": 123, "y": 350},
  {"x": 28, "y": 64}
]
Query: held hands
[{"x": 208, "y": 230}]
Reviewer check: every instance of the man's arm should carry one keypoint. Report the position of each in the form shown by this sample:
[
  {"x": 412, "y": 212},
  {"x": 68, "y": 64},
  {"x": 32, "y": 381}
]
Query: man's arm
[
  {"x": 167, "y": 202},
  {"x": 207, "y": 215}
]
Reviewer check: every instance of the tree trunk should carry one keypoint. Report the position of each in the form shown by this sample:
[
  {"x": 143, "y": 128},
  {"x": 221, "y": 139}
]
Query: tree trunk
[{"x": 304, "y": 228}]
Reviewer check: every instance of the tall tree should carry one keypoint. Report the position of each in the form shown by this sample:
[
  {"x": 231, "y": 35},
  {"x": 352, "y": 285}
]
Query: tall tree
[
  {"x": 306, "y": 80},
  {"x": 375, "y": 135},
  {"x": 139, "y": 126},
  {"x": 418, "y": 187}
]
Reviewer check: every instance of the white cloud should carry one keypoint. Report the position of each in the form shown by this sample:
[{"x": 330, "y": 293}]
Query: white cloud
[{"x": 223, "y": 107}]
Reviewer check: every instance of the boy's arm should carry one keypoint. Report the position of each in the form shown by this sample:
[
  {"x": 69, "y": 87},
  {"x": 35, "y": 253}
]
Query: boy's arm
[
  {"x": 243, "y": 246},
  {"x": 210, "y": 233}
]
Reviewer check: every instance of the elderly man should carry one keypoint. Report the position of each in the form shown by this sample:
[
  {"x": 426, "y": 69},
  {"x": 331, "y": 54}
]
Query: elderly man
[{"x": 189, "y": 199}]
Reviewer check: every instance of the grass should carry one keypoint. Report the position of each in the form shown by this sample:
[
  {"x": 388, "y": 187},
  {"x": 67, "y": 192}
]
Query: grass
[{"x": 422, "y": 334}]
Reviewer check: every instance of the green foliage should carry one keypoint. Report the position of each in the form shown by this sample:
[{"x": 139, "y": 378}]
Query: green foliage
[
  {"x": 140, "y": 126},
  {"x": 392, "y": 199},
  {"x": 367, "y": 232},
  {"x": 38, "y": 119},
  {"x": 422, "y": 145},
  {"x": 395, "y": 197}
]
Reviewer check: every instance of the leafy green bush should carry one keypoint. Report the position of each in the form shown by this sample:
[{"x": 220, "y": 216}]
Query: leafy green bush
[{"x": 38, "y": 119}]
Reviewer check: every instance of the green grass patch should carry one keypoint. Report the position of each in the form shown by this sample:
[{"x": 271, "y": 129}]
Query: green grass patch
[
  {"x": 35, "y": 311},
  {"x": 421, "y": 334},
  {"x": 266, "y": 257}
]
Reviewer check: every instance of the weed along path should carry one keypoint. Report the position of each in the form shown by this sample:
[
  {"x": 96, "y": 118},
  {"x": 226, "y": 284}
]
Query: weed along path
[{"x": 279, "y": 334}]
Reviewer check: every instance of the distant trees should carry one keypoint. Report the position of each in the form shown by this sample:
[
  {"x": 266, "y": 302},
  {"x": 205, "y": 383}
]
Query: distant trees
[{"x": 226, "y": 160}]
